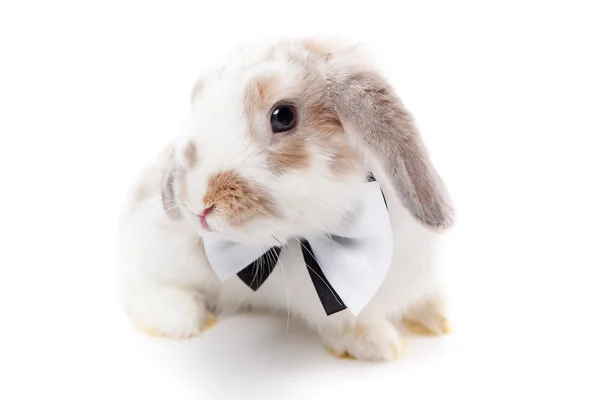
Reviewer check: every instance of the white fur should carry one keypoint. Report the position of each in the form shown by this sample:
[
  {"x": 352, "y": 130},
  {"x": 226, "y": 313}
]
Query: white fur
[{"x": 169, "y": 288}]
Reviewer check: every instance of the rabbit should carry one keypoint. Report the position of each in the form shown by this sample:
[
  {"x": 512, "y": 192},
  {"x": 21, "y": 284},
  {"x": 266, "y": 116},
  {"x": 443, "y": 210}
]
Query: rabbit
[{"x": 276, "y": 144}]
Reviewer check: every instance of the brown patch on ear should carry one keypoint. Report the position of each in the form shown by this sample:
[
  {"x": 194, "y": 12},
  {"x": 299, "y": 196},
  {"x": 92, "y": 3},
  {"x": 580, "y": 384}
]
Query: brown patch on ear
[
  {"x": 191, "y": 154},
  {"x": 237, "y": 200}
]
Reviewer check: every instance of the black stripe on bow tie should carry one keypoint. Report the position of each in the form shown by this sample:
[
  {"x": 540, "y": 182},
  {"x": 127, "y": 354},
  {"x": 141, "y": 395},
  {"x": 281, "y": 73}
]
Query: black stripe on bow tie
[
  {"x": 330, "y": 300},
  {"x": 255, "y": 274}
]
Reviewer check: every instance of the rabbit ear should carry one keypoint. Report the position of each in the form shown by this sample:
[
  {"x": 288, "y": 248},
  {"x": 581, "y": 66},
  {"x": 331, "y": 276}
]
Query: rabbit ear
[
  {"x": 374, "y": 117},
  {"x": 167, "y": 191}
]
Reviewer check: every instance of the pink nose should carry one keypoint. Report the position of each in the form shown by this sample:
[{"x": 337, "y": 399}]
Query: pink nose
[{"x": 206, "y": 211}]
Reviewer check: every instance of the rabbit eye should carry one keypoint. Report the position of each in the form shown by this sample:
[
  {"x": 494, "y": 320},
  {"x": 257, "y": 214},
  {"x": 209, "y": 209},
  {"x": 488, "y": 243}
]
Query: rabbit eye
[{"x": 283, "y": 118}]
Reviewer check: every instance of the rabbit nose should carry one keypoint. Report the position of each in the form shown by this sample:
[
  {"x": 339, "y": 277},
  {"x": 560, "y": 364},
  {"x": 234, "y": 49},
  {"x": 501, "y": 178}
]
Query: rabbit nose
[{"x": 206, "y": 211}]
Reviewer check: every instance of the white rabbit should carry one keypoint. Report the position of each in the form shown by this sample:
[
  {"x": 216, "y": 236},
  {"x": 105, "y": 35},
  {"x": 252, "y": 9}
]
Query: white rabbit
[{"x": 277, "y": 145}]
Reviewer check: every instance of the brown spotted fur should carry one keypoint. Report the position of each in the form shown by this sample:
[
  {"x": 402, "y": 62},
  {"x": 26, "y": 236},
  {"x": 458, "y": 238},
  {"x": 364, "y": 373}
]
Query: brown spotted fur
[
  {"x": 318, "y": 124},
  {"x": 236, "y": 200}
]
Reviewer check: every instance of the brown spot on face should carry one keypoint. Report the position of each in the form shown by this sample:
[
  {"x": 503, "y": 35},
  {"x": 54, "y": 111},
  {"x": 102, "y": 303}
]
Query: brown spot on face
[
  {"x": 319, "y": 127},
  {"x": 320, "y": 116},
  {"x": 325, "y": 132},
  {"x": 191, "y": 154},
  {"x": 263, "y": 87},
  {"x": 237, "y": 200},
  {"x": 289, "y": 153},
  {"x": 259, "y": 93}
]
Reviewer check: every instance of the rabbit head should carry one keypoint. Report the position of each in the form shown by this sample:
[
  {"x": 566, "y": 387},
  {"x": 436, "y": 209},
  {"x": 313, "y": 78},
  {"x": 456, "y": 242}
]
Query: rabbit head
[{"x": 279, "y": 141}]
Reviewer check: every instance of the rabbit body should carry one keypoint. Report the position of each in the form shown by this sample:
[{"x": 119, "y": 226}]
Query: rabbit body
[{"x": 248, "y": 182}]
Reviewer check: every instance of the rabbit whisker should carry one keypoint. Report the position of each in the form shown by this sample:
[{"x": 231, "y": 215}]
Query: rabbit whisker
[
  {"x": 287, "y": 294},
  {"x": 152, "y": 205},
  {"x": 315, "y": 272},
  {"x": 246, "y": 294}
]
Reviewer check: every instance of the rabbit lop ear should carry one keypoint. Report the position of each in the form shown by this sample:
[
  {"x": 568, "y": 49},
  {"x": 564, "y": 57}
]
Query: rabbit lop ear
[
  {"x": 375, "y": 119},
  {"x": 167, "y": 191}
]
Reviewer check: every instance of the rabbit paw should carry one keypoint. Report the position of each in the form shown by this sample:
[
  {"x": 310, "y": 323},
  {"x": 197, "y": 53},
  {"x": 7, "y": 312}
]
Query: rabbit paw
[
  {"x": 427, "y": 319},
  {"x": 368, "y": 342},
  {"x": 168, "y": 312}
]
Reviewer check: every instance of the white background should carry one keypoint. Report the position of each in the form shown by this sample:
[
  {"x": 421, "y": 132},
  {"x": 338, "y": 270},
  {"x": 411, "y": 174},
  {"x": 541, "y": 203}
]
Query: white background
[{"x": 507, "y": 95}]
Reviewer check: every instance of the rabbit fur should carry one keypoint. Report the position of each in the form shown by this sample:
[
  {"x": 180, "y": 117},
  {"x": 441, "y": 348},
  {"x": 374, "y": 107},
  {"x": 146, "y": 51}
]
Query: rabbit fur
[{"x": 264, "y": 187}]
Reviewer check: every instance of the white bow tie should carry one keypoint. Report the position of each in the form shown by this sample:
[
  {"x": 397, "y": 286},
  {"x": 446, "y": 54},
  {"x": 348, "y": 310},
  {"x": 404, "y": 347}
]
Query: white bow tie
[{"x": 347, "y": 266}]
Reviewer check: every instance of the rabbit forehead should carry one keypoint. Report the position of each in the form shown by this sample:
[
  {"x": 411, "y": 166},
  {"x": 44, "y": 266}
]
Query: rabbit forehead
[
  {"x": 231, "y": 105},
  {"x": 277, "y": 64},
  {"x": 234, "y": 100},
  {"x": 252, "y": 53},
  {"x": 288, "y": 57},
  {"x": 274, "y": 70}
]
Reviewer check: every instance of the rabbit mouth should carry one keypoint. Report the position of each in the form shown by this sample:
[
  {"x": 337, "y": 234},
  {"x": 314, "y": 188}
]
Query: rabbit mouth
[
  {"x": 203, "y": 216},
  {"x": 205, "y": 224}
]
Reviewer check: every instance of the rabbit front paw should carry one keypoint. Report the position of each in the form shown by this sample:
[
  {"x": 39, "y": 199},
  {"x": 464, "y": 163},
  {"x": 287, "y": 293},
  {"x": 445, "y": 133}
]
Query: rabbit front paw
[{"x": 169, "y": 312}]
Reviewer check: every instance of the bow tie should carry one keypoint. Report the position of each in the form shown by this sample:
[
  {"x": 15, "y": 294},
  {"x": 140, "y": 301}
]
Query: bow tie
[{"x": 346, "y": 266}]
